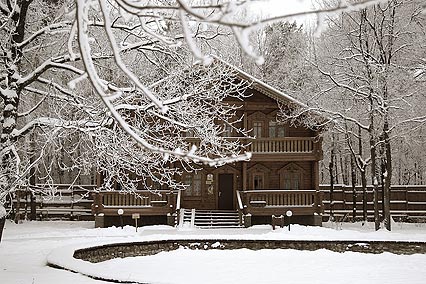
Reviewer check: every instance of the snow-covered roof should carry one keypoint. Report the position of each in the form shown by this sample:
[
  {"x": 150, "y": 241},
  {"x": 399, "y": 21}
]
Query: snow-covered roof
[
  {"x": 256, "y": 84},
  {"x": 261, "y": 86}
]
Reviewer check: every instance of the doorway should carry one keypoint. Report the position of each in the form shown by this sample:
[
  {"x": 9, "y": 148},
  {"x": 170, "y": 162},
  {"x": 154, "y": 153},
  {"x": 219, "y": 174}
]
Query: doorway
[{"x": 226, "y": 192}]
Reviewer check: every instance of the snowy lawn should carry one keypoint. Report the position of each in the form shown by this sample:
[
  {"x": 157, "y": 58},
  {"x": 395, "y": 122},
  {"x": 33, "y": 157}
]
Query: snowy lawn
[{"x": 25, "y": 248}]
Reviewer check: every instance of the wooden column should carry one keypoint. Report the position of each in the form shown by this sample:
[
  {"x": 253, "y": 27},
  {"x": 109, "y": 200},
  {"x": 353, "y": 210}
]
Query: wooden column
[
  {"x": 315, "y": 175},
  {"x": 244, "y": 176}
]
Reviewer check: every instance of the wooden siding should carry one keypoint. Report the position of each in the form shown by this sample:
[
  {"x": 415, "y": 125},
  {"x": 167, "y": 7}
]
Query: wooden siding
[{"x": 273, "y": 175}]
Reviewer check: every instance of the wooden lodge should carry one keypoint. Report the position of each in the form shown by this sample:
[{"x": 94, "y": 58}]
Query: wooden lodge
[{"x": 281, "y": 177}]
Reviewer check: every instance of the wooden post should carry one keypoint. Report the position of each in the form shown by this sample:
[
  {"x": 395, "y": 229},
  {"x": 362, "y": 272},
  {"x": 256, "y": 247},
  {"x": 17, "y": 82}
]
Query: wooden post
[{"x": 244, "y": 176}]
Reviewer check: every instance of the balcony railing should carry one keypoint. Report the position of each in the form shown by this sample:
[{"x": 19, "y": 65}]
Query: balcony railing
[
  {"x": 283, "y": 145},
  {"x": 144, "y": 202},
  {"x": 276, "y": 145},
  {"x": 274, "y": 201}
]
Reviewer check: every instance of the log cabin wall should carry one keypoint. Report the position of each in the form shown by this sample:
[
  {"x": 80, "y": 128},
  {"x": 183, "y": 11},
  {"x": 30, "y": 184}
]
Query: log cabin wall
[{"x": 273, "y": 174}]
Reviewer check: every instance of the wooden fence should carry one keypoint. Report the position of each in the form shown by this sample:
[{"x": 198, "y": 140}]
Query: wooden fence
[
  {"x": 408, "y": 202},
  {"x": 54, "y": 201}
]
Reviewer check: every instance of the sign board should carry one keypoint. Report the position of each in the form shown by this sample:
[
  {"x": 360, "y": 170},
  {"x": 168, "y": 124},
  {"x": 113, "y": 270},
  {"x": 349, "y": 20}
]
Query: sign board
[{"x": 136, "y": 216}]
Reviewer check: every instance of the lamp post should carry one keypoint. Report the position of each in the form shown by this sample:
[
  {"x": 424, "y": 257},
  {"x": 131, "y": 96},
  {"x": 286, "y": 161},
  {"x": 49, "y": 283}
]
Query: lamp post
[
  {"x": 120, "y": 214},
  {"x": 289, "y": 213}
]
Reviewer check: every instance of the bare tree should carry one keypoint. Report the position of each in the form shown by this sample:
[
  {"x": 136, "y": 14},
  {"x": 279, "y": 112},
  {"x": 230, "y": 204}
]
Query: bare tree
[
  {"x": 49, "y": 51},
  {"x": 367, "y": 60}
]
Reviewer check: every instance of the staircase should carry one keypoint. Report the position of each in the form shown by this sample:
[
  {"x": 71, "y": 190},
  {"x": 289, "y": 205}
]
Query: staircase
[{"x": 209, "y": 219}]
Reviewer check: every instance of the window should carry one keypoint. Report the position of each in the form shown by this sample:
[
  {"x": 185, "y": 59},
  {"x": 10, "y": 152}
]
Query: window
[
  {"x": 291, "y": 180},
  {"x": 189, "y": 133},
  {"x": 258, "y": 181},
  {"x": 193, "y": 183},
  {"x": 257, "y": 129},
  {"x": 227, "y": 131},
  {"x": 276, "y": 130}
]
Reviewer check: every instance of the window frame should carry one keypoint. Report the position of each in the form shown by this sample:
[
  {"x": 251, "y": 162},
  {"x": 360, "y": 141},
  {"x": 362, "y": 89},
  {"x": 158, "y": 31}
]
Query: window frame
[
  {"x": 190, "y": 179},
  {"x": 258, "y": 128}
]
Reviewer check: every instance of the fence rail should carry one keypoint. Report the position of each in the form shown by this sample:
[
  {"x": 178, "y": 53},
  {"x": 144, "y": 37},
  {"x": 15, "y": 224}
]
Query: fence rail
[{"x": 53, "y": 201}]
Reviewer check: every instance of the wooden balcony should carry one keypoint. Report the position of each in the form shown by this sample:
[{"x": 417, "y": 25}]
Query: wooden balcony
[
  {"x": 286, "y": 148},
  {"x": 282, "y": 149},
  {"x": 278, "y": 202},
  {"x": 143, "y": 202}
]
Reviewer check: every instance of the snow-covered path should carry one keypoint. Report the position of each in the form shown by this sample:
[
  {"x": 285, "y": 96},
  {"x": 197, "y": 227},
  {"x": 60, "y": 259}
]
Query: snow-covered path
[{"x": 25, "y": 247}]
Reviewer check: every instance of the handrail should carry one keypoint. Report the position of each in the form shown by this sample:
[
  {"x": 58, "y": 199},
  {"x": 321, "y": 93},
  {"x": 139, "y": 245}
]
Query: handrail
[
  {"x": 239, "y": 200},
  {"x": 179, "y": 196},
  {"x": 240, "y": 209}
]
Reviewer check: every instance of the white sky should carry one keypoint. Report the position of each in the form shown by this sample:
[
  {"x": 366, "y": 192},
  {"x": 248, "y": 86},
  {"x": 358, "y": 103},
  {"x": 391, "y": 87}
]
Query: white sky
[{"x": 283, "y": 7}]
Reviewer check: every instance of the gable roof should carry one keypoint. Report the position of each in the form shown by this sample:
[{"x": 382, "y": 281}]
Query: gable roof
[{"x": 261, "y": 86}]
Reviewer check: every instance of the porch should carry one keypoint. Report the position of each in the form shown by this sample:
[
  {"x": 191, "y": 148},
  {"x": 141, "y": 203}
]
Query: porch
[{"x": 167, "y": 205}]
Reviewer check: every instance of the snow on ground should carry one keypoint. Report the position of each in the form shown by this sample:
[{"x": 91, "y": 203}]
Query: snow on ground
[{"x": 25, "y": 248}]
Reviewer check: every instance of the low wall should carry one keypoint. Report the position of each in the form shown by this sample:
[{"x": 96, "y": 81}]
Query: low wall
[{"x": 121, "y": 250}]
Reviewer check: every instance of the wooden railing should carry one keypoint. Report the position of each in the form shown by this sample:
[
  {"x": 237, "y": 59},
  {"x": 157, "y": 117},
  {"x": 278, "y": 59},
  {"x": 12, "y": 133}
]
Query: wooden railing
[
  {"x": 274, "y": 202},
  {"x": 283, "y": 145},
  {"x": 240, "y": 207},
  {"x": 53, "y": 201},
  {"x": 275, "y": 145},
  {"x": 144, "y": 202}
]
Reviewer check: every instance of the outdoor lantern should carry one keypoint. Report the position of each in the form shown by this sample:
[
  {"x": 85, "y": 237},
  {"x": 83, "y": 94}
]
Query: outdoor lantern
[
  {"x": 289, "y": 213},
  {"x": 120, "y": 213}
]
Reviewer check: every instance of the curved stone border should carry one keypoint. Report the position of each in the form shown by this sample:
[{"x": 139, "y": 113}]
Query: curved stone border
[
  {"x": 82, "y": 260},
  {"x": 110, "y": 251}
]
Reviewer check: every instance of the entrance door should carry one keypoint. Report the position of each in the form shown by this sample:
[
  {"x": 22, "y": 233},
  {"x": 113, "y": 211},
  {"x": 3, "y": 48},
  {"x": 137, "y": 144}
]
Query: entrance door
[{"x": 226, "y": 192}]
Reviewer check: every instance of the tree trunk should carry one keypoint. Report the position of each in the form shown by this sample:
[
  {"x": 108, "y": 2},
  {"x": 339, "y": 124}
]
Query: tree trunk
[
  {"x": 363, "y": 179},
  {"x": 32, "y": 180},
  {"x": 18, "y": 206},
  {"x": 374, "y": 180},
  {"x": 354, "y": 194},
  {"x": 387, "y": 177},
  {"x": 2, "y": 222},
  {"x": 331, "y": 172}
]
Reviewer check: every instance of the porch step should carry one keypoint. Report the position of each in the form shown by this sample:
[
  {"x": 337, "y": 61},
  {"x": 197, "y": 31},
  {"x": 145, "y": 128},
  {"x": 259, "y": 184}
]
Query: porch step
[{"x": 208, "y": 219}]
